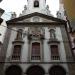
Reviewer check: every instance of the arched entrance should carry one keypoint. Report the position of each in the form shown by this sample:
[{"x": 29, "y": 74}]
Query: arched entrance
[
  {"x": 13, "y": 70},
  {"x": 35, "y": 70},
  {"x": 57, "y": 70}
]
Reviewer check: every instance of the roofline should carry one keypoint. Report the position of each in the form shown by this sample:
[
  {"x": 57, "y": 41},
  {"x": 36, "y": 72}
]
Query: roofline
[{"x": 37, "y": 14}]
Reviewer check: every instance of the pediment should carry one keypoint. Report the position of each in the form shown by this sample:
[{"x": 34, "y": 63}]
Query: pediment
[{"x": 35, "y": 17}]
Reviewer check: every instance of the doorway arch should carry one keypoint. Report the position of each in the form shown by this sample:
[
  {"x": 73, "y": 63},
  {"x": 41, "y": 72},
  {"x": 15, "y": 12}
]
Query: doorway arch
[
  {"x": 35, "y": 70},
  {"x": 13, "y": 70},
  {"x": 57, "y": 70}
]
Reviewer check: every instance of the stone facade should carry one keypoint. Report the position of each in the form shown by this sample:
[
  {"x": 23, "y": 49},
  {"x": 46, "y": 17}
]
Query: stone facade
[
  {"x": 28, "y": 28},
  {"x": 37, "y": 43}
]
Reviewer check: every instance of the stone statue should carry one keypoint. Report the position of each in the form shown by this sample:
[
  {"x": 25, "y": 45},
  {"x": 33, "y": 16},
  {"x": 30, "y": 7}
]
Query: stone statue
[
  {"x": 47, "y": 7},
  {"x": 19, "y": 34},
  {"x": 25, "y": 7}
]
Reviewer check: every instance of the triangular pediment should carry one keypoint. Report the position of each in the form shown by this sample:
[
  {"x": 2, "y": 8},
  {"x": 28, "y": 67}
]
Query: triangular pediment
[{"x": 35, "y": 17}]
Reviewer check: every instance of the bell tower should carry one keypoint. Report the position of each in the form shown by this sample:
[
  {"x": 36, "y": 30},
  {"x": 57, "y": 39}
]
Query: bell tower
[{"x": 36, "y": 5}]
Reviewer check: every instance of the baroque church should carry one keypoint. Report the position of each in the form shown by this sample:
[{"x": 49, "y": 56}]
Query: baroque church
[{"x": 36, "y": 43}]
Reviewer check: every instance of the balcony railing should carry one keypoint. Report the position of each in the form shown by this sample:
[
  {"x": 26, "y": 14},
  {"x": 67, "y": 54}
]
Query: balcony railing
[
  {"x": 55, "y": 57},
  {"x": 15, "y": 58},
  {"x": 35, "y": 57}
]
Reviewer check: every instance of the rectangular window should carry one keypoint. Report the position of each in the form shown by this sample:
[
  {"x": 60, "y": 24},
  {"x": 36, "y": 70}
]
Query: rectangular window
[
  {"x": 35, "y": 54},
  {"x": 16, "y": 52},
  {"x": 54, "y": 52}
]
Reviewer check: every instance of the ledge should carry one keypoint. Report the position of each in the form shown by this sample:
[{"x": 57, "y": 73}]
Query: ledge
[
  {"x": 18, "y": 41},
  {"x": 53, "y": 41}
]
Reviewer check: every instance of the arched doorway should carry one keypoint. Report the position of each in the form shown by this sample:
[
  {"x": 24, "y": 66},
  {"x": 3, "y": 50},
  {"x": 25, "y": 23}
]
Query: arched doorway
[
  {"x": 57, "y": 70},
  {"x": 13, "y": 70},
  {"x": 35, "y": 70}
]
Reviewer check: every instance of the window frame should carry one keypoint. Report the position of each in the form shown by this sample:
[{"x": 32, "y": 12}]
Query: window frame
[
  {"x": 30, "y": 51},
  {"x": 13, "y": 44},
  {"x": 15, "y": 53},
  {"x": 58, "y": 51},
  {"x": 35, "y": 52}
]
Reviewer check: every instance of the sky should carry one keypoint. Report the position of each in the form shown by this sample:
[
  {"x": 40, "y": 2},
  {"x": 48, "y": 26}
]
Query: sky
[{"x": 18, "y": 5}]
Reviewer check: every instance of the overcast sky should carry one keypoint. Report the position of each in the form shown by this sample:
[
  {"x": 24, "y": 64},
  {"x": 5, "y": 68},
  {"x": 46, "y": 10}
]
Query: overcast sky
[{"x": 18, "y": 5}]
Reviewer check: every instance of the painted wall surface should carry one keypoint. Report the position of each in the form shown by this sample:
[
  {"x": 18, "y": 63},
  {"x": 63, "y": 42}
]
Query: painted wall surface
[
  {"x": 10, "y": 45},
  {"x": 25, "y": 48},
  {"x": 46, "y": 49},
  {"x": 25, "y": 52}
]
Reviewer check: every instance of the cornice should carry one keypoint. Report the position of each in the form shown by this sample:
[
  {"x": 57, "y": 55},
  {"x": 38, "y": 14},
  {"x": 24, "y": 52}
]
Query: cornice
[{"x": 45, "y": 24}]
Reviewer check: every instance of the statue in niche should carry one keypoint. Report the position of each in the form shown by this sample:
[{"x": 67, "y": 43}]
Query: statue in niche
[
  {"x": 52, "y": 33},
  {"x": 47, "y": 7},
  {"x": 19, "y": 34},
  {"x": 24, "y": 11},
  {"x": 58, "y": 14},
  {"x": 25, "y": 7}
]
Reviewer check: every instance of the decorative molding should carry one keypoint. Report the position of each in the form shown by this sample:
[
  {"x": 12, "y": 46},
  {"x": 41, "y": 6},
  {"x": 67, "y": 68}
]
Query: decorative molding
[
  {"x": 18, "y": 41},
  {"x": 53, "y": 41}
]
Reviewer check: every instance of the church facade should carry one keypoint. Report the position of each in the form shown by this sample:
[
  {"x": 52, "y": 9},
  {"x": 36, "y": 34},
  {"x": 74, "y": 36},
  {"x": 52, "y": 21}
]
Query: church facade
[{"x": 36, "y": 43}]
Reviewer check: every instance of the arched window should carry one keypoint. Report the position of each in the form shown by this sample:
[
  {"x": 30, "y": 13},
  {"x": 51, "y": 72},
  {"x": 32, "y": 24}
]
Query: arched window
[
  {"x": 54, "y": 52},
  {"x": 16, "y": 52},
  {"x": 52, "y": 34},
  {"x": 36, "y": 3},
  {"x": 35, "y": 53}
]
